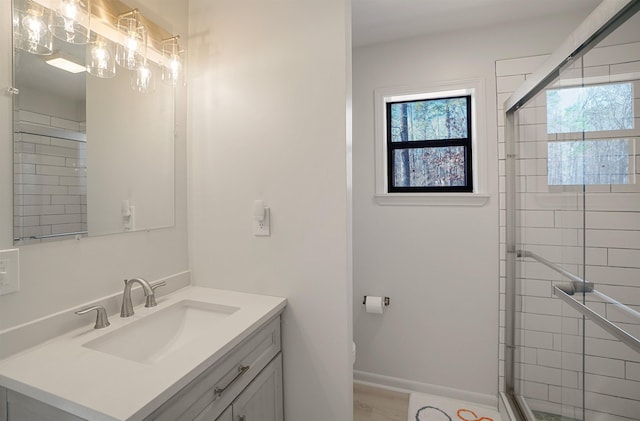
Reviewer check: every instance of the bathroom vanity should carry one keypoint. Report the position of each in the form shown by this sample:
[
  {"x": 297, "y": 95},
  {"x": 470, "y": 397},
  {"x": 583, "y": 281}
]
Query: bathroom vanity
[{"x": 201, "y": 354}]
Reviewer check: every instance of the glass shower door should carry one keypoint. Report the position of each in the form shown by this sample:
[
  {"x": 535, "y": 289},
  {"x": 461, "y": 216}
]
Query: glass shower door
[{"x": 577, "y": 238}]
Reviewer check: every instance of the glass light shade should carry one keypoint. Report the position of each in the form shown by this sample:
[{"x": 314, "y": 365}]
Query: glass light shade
[
  {"x": 70, "y": 21},
  {"x": 101, "y": 58},
  {"x": 30, "y": 30},
  {"x": 173, "y": 63},
  {"x": 143, "y": 79},
  {"x": 131, "y": 50}
]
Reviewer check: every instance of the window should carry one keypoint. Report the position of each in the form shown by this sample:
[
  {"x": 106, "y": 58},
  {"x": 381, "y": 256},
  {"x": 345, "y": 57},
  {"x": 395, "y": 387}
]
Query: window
[
  {"x": 596, "y": 110},
  {"x": 429, "y": 145}
]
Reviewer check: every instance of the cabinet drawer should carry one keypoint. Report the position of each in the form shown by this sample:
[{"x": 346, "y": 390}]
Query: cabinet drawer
[
  {"x": 222, "y": 382},
  {"x": 260, "y": 401}
]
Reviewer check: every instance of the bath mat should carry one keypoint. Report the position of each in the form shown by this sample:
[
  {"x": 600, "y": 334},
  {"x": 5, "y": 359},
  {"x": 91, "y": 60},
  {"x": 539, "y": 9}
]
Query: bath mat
[{"x": 423, "y": 407}]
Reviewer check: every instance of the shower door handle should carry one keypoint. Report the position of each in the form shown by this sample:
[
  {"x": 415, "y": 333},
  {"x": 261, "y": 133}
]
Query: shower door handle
[{"x": 614, "y": 330}]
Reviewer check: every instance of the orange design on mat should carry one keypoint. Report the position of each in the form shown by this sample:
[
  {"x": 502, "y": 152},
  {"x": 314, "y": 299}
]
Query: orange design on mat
[{"x": 471, "y": 413}]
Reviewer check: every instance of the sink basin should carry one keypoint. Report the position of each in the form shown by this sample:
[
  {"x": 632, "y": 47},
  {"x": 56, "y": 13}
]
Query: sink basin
[{"x": 156, "y": 336}]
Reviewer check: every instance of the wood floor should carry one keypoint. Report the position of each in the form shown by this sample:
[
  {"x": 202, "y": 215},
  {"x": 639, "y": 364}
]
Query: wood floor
[{"x": 376, "y": 404}]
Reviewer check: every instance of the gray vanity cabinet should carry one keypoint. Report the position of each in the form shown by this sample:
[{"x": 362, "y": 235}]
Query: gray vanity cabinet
[{"x": 239, "y": 381}]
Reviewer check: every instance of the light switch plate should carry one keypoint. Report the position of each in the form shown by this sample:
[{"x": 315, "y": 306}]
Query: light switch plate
[
  {"x": 263, "y": 228},
  {"x": 9, "y": 271}
]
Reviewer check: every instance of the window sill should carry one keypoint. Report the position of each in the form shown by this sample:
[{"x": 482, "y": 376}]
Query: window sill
[{"x": 431, "y": 199}]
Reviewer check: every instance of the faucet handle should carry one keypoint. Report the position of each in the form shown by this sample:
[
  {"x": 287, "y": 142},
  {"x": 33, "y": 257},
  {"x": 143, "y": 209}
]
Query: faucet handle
[
  {"x": 102, "y": 320},
  {"x": 150, "y": 300}
]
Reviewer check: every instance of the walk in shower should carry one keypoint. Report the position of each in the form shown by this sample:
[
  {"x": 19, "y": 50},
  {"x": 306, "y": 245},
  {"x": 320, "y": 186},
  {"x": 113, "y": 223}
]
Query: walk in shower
[{"x": 572, "y": 165}]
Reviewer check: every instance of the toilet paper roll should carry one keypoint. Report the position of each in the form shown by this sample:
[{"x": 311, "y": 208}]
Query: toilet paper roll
[{"x": 374, "y": 305}]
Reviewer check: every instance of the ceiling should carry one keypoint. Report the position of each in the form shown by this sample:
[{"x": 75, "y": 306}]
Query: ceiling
[{"x": 375, "y": 21}]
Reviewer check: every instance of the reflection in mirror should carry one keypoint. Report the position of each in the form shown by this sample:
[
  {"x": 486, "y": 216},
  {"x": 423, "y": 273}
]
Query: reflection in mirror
[{"x": 92, "y": 156}]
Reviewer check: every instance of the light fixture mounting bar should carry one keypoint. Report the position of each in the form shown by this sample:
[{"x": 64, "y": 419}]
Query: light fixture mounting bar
[{"x": 108, "y": 11}]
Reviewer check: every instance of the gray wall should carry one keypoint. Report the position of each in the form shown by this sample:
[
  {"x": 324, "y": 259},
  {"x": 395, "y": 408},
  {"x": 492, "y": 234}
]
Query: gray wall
[
  {"x": 439, "y": 264},
  {"x": 269, "y": 84}
]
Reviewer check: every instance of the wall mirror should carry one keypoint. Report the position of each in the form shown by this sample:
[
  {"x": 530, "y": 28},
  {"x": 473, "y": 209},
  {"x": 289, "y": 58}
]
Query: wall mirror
[{"x": 92, "y": 155}]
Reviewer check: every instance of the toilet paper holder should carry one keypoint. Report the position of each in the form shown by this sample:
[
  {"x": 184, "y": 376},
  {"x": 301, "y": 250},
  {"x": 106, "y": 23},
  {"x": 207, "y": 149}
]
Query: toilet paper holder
[{"x": 386, "y": 301}]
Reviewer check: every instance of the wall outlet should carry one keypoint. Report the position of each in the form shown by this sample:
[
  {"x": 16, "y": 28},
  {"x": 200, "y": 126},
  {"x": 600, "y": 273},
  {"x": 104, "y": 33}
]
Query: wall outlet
[
  {"x": 9, "y": 271},
  {"x": 262, "y": 228}
]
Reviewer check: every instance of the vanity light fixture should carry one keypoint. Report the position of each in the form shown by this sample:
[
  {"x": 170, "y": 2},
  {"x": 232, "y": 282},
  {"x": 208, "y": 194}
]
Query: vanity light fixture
[
  {"x": 65, "y": 63},
  {"x": 130, "y": 51},
  {"x": 70, "y": 21},
  {"x": 30, "y": 30},
  {"x": 143, "y": 79},
  {"x": 172, "y": 61},
  {"x": 101, "y": 58}
]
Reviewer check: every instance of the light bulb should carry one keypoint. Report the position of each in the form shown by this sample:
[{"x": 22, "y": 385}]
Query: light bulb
[
  {"x": 100, "y": 59},
  {"x": 143, "y": 79},
  {"x": 71, "y": 21},
  {"x": 130, "y": 51}
]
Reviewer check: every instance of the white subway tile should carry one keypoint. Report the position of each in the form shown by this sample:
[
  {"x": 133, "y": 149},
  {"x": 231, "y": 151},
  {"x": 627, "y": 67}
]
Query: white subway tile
[
  {"x": 31, "y": 117},
  {"x": 73, "y": 181},
  {"x": 74, "y": 145},
  {"x": 519, "y": 65},
  {"x": 65, "y": 124},
  {"x": 60, "y": 219},
  {"x": 66, "y": 200},
  {"x": 542, "y": 322},
  {"x": 624, "y": 257},
  {"x": 632, "y": 371},
  {"x": 549, "y": 358},
  {"x": 570, "y": 379},
  {"x": 567, "y": 343},
  {"x": 26, "y": 221},
  {"x": 610, "y": 348},
  {"x": 79, "y": 190},
  {"x": 572, "y": 361},
  {"x": 506, "y": 84},
  {"x": 56, "y": 151},
  {"x": 539, "y": 305},
  {"x": 35, "y": 138},
  {"x": 604, "y": 366},
  {"x": 36, "y": 179},
  {"x": 30, "y": 199},
  {"x": 612, "y": 54},
  {"x": 21, "y": 147},
  {"x": 613, "y": 238},
  {"x": 592, "y": 415},
  {"x": 537, "y": 339},
  {"x": 540, "y": 374},
  {"x": 65, "y": 228},
  {"x": 535, "y": 390},
  {"x": 613, "y": 386},
  {"x": 51, "y": 170},
  {"x": 71, "y": 209},
  {"x": 41, "y": 159}
]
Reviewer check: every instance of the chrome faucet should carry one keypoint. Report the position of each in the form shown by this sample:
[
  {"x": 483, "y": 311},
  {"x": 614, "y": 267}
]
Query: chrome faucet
[{"x": 149, "y": 293}]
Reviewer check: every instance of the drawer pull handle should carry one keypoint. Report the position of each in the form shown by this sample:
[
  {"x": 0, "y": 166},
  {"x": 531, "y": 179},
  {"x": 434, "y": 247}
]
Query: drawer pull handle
[
  {"x": 242, "y": 418},
  {"x": 218, "y": 391}
]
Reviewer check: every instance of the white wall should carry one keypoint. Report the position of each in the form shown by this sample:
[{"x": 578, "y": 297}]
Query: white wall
[
  {"x": 438, "y": 264},
  {"x": 268, "y": 92},
  {"x": 58, "y": 276}
]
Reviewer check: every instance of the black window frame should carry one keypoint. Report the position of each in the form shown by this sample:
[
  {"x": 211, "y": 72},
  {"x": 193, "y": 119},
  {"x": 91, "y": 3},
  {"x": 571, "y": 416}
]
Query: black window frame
[{"x": 422, "y": 144}]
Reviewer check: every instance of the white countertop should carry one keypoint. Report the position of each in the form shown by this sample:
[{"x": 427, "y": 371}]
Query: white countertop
[{"x": 99, "y": 386}]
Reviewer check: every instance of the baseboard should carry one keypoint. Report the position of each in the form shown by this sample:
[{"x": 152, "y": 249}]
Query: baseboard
[
  {"x": 21, "y": 337},
  {"x": 404, "y": 385}
]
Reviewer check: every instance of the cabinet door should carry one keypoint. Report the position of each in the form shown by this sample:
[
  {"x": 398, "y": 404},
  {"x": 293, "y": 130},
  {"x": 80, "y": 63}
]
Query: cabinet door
[{"x": 262, "y": 399}]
